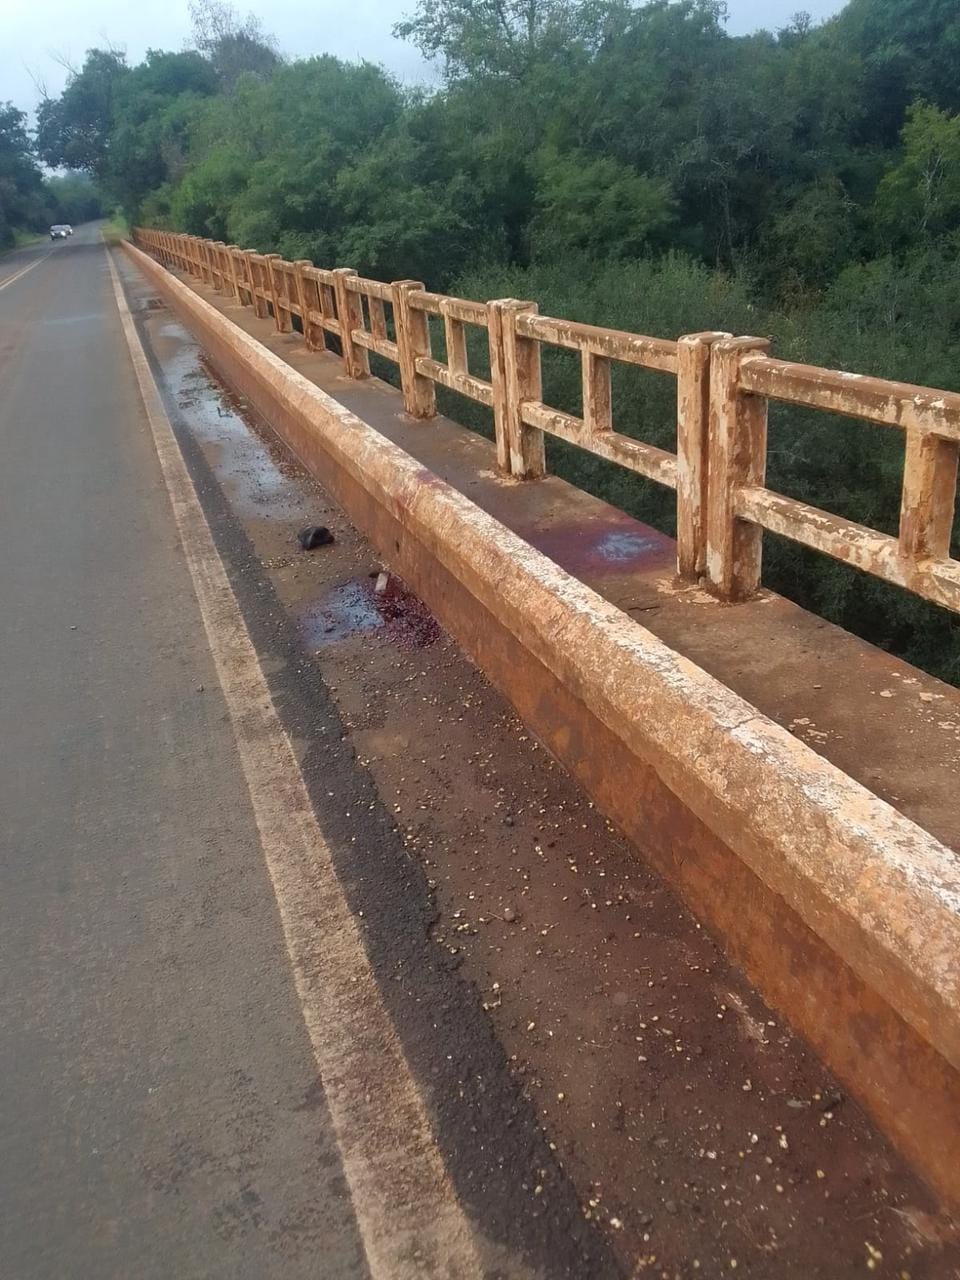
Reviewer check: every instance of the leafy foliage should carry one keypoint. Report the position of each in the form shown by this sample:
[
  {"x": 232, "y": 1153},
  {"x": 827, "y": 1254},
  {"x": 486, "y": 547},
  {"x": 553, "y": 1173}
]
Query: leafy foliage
[
  {"x": 920, "y": 196},
  {"x": 506, "y": 37},
  {"x": 74, "y": 130},
  {"x": 28, "y": 201},
  {"x": 23, "y": 203},
  {"x": 75, "y": 197},
  {"x": 232, "y": 47}
]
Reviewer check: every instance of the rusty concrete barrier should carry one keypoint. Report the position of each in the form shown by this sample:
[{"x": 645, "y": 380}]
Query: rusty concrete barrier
[
  {"x": 724, "y": 388},
  {"x": 844, "y": 913}
]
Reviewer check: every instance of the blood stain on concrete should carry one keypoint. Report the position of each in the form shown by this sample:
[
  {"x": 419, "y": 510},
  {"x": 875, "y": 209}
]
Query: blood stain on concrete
[{"x": 356, "y": 608}]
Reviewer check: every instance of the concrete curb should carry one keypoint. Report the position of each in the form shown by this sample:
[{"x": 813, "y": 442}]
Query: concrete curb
[{"x": 880, "y": 893}]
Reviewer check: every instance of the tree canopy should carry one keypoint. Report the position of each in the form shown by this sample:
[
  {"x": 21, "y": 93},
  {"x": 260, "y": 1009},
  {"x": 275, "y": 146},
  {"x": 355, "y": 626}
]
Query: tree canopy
[{"x": 29, "y": 202}]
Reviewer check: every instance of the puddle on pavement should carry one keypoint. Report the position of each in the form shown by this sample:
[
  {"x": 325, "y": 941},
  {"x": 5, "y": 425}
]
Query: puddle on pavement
[
  {"x": 257, "y": 487},
  {"x": 356, "y": 608},
  {"x": 240, "y": 460}
]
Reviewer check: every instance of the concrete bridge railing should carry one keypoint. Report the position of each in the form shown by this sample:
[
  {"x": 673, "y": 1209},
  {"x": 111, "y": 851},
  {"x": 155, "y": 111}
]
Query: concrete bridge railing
[
  {"x": 724, "y": 387},
  {"x": 844, "y": 910}
]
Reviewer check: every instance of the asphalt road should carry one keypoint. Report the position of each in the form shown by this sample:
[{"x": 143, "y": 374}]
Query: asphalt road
[
  {"x": 229, "y": 1045},
  {"x": 159, "y": 1089}
]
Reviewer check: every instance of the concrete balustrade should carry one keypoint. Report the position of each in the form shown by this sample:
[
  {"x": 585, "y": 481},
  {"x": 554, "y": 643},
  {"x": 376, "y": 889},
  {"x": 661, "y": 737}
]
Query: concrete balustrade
[
  {"x": 724, "y": 386},
  {"x": 843, "y": 910}
]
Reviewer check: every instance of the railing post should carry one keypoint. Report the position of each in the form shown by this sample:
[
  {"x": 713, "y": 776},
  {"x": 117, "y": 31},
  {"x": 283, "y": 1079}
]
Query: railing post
[
  {"x": 206, "y": 264},
  {"x": 223, "y": 262},
  {"x": 498, "y": 379},
  {"x": 929, "y": 497},
  {"x": 515, "y": 371},
  {"x": 597, "y": 393},
  {"x": 455, "y": 339},
  {"x": 299, "y": 267},
  {"x": 356, "y": 360},
  {"x": 256, "y": 283},
  {"x": 216, "y": 260},
  {"x": 737, "y": 458},
  {"x": 413, "y": 342},
  {"x": 231, "y": 252},
  {"x": 693, "y": 473},
  {"x": 280, "y": 319}
]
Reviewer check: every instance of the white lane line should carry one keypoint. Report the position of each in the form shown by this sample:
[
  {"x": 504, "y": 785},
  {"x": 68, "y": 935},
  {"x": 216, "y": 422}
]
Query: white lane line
[
  {"x": 406, "y": 1209},
  {"x": 29, "y": 267}
]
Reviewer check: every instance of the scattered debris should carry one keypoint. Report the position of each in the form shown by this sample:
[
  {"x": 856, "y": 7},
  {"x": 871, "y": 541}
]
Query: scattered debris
[{"x": 383, "y": 581}]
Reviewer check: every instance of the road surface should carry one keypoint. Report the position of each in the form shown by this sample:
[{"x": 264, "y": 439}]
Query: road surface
[
  {"x": 160, "y": 1091},
  {"x": 199, "y": 1078}
]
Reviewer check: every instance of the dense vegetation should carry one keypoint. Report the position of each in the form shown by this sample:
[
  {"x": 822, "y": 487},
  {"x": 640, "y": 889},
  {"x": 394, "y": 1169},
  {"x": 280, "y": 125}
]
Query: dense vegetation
[
  {"x": 29, "y": 202},
  {"x": 624, "y": 163}
]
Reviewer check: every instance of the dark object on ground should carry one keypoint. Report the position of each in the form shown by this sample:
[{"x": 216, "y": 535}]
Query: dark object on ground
[{"x": 317, "y": 535}]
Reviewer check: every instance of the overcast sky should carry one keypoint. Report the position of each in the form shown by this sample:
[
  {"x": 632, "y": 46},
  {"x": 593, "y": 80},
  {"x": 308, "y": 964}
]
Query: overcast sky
[{"x": 34, "y": 32}]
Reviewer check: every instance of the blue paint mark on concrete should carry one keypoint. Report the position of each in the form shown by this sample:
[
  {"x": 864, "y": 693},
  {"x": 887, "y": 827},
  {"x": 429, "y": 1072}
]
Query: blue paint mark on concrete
[{"x": 623, "y": 547}]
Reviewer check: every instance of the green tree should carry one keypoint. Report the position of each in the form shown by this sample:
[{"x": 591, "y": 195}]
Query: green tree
[
  {"x": 919, "y": 197},
  {"x": 232, "y": 46},
  {"x": 75, "y": 197},
  {"x": 908, "y": 49},
  {"x": 811, "y": 239},
  {"x": 74, "y": 131},
  {"x": 506, "y": 37},
  {"x": 152, "y": 109},
  {"x": 24, "y": 201},
  {"x": 598, "y": 205}
]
